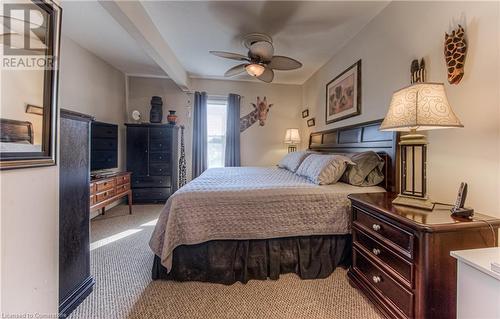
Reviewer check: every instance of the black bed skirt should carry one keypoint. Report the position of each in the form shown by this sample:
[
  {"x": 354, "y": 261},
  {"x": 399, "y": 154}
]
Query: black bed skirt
[{"x": 229, "y": 261}]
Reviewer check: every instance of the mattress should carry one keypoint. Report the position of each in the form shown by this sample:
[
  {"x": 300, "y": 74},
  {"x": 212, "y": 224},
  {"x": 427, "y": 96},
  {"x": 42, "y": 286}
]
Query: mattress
[{"x": 240, "y": 203}]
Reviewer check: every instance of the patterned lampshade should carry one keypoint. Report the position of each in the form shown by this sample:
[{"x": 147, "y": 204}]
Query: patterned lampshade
[{"x": 420, "y": 106}]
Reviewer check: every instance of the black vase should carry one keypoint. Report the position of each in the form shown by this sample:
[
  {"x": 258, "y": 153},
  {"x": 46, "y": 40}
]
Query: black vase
[{"x": 156, "y": 113}]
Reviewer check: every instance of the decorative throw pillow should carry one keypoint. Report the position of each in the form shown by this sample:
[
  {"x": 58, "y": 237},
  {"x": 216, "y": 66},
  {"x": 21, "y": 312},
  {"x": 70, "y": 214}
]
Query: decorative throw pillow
[
  {"x": 292, "y": 160},
  {"x": 323, "y": 169},
  {"x": 367, "y": 170}
]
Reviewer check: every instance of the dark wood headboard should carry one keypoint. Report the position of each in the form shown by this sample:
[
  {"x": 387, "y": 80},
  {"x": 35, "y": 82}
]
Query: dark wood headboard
[
  {"x": 14, "y": 131},
  {"x": 360, "y": 138}
]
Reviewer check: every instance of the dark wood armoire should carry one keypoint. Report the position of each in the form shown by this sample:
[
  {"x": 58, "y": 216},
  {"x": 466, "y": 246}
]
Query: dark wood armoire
[
  {"x": 152, "y": 160},
  {"x": 75, "y": 281}
]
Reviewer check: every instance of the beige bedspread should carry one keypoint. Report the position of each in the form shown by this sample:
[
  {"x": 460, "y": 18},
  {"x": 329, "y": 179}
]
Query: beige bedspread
[{"x": 239, "y": 203}]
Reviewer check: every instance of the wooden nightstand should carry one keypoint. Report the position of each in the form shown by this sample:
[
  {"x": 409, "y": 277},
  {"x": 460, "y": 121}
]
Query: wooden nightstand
[{"x": 401, "y": 255}]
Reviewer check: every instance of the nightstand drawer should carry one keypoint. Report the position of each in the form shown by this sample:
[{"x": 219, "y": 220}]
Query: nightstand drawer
[
  {"x": 380, "y": 281},
  {"x": 389, "y": 233},
  {"x": 384, "y": 255}
]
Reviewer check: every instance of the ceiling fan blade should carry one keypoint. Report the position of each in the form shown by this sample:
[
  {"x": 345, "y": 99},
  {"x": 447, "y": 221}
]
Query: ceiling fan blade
[
  {"x": 279, "y": 62},
  {"x": 262, "y": 49},
  {"x": 235, "y": 70},
  {"x": 229, "y": 55},
  {"x": 267, "y": 76}
]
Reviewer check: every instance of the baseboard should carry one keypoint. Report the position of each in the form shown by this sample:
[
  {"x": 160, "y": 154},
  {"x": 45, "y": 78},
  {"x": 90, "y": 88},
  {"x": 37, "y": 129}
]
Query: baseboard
[{"x": 76, "y": 298}]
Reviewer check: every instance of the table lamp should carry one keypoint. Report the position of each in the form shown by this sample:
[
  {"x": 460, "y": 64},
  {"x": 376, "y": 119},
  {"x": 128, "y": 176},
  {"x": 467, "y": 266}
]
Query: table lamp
[
  {"x": 292, "y": 138},
  {"x": 420, "y": 106}
]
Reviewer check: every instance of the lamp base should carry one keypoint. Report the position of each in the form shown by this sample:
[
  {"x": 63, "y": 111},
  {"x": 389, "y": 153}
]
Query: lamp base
[
  {"x": 416, "y": 202},
  {"x": 413, "y": 139},
  {"x": 292, "y": 148}
]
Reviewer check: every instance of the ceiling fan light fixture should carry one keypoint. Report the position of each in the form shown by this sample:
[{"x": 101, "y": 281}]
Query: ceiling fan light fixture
[{"x": 255, "y": 69}]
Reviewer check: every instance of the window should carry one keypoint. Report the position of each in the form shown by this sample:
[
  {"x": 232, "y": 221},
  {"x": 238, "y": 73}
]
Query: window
[{"x": 216, "y": 132}]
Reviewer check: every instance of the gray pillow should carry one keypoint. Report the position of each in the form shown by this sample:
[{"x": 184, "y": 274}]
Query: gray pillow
[
  {"x": 367, "y": 170},
  {"x": 323, "y": 169},
  {"x": 292, "y": 160}
]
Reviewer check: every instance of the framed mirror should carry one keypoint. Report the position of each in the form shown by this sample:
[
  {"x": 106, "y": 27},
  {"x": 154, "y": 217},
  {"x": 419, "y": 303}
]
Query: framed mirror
[{"x": 29, "y": 42}]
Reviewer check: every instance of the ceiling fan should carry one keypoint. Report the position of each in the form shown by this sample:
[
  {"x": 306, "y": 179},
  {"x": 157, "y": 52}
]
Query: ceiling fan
[{"x": 260, "y": 60}]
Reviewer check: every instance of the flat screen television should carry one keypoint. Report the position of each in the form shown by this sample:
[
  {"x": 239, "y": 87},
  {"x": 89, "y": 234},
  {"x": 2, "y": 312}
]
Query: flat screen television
[{"x": 103, "y": 146}]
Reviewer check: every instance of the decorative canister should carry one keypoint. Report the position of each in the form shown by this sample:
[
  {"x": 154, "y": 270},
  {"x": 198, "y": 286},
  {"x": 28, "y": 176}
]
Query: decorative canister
[
  {"x": 156, "y": 113},
  {"x": 171, "y": 117}
]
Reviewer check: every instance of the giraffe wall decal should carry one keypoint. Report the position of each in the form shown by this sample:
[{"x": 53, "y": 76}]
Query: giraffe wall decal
[
  {"x": 455, "y": 51},
  {"x": 259, "y": 113}
]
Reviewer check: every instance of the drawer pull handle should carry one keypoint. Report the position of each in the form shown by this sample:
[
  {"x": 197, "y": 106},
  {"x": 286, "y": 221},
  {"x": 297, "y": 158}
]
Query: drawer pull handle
[
  {"x": 376, "y": 279},
  {"x": 376, "y": 227},
  {"x": 376, "y": 251}
]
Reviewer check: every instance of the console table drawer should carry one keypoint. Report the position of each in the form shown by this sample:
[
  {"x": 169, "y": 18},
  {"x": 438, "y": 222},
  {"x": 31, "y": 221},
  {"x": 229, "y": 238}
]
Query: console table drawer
[
  {"x": 122, "y": 179},
  {"x": 363, "y": 241},
  {"x": 122, "y": 188},
  {"x": 105, "y": 195},
  {"x": 390, "y": 233},
  {"x": 379, "y": 280},
  {"x": 105, "y": 184}
]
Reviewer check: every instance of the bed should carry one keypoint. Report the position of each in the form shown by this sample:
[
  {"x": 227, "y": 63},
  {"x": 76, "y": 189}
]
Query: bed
[
  {"x": 17, "y": 136},
  {"x": 237, "y": 224}
]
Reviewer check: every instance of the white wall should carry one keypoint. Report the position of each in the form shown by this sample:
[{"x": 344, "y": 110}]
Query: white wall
[
  {"x": 402, "y": 32},
  {"x": 260, "y": 145},
  {"x": 140, "y": 91},
  {"x": 29, "y": 200},
  {"x": 20, "y": 88},
  {"x": 91, "y": 86},
  {"x": 29, "y": 242}
]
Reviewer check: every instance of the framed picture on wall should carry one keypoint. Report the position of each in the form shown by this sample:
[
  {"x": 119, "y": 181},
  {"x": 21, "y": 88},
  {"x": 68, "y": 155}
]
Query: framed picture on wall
[
  {"x": 343, "y": 95},
  {"x": 311, "y": 122},
  {"x": 305, "y": 113}
]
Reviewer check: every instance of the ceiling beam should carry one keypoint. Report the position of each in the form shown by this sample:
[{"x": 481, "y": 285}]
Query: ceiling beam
[{"x": 132, "y": 16}]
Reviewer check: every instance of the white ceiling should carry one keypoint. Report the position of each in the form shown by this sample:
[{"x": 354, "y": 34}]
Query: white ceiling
[
  {"x": 91, "y": 26},
  {"x": 309, "y": 31}
]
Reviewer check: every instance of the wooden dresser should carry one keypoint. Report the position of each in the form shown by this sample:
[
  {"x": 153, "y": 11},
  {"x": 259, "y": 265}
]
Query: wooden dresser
[
  {"x": 107, "y": 190},
  {"x": 401, "y": 255},
  {"x": 152, "y": 160}
]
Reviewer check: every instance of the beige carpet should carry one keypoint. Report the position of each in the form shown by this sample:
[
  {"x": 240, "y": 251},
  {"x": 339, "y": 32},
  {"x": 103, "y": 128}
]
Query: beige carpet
[{"x": 121, "y": 266}]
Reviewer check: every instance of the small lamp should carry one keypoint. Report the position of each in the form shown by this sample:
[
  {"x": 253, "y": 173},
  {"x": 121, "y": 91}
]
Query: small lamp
[
  {"x": 420, "y": 106},
  {"x": 292, "y": 138}
]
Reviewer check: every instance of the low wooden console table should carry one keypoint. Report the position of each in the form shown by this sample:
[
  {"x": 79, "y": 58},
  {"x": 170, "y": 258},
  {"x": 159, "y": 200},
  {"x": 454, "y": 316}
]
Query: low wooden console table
[{"x": 109, "y": 189}]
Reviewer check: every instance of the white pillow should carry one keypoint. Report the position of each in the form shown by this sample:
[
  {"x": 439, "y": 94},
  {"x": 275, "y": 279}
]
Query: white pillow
[
  {"x": 292, "y": 160},
  {"x": 323, "y": 169}
]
